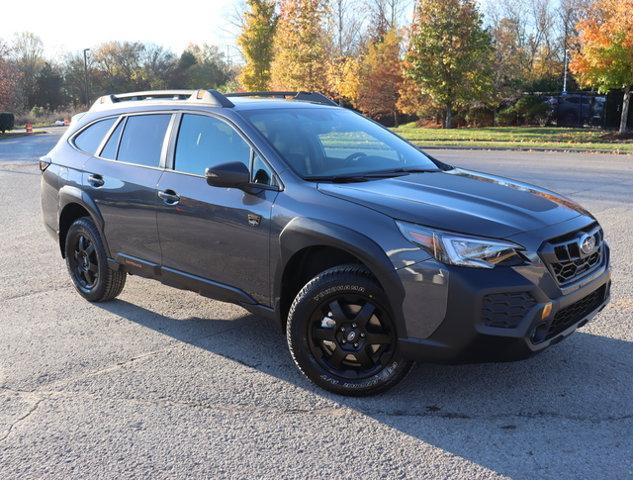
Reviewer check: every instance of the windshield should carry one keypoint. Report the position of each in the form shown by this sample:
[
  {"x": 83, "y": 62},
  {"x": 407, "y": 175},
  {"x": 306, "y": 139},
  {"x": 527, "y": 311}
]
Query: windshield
[{"x": 321, "y": 143}]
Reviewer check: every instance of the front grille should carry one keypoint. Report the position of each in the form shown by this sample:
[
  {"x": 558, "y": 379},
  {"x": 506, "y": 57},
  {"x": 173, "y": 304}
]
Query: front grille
[
  {"x": 565, "y": 259},
  {"x": 575, "y": 312},
  {"x": 506, "y": 310}
]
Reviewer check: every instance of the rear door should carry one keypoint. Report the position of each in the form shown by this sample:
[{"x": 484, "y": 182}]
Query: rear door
[
  {"x": 123, "y": 181},
  {"x": 217, "y": 239}
]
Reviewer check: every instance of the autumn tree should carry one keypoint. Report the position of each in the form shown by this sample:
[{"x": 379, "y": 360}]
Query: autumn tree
[
  {"x": 27, "y": 52},
  {"x": 381, "y": 77},
  {"x": 10, "y": 95},
  {"x": 345, "y": 26},
  {"x": 511, "y": 63},
  {"x": 256, "y": 43},
  {"x": 605, "y": 57},
  {"x": 300, "y": 47},
  {"x": 450, "y": 54}
]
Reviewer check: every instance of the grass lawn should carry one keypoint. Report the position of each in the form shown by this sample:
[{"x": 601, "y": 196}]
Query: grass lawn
[{"x": 516, "y": 137}]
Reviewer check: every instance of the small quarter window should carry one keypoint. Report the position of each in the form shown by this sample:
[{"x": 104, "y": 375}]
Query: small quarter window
[
  {"x": 262, "y": 174},
  {"x": 111, "y": 146},
  {"x": 142, "y": 139},
  {"x": 205, "y": 142},
  {"x": 90, "y": 139}
]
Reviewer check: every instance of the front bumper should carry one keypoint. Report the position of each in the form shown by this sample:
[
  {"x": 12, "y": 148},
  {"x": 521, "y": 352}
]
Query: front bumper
[{"x": 455, "y": 329}]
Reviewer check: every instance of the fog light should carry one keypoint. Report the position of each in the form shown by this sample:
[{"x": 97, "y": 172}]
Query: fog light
[{"x": 547, "y": 309}]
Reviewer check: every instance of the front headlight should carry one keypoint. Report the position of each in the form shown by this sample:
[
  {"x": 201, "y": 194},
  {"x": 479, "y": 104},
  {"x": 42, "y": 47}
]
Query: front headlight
[{"x": 455, "y": 249}]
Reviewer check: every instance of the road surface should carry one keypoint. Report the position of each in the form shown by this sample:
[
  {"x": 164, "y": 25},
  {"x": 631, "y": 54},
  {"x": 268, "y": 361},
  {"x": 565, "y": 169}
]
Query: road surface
[{"x": 166, "y": 384}]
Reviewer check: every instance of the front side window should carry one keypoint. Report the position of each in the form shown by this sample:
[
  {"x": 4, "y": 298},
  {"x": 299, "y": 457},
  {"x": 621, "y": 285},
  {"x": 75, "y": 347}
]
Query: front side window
[
  {"x": 90, "y": 139},
  {"x": 142, "y": 139},
  {"x": 205, "y": 142},
  {"x": 320, "y": 142}
]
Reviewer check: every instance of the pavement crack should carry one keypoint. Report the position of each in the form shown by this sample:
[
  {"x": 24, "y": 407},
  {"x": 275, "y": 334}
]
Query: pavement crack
[
  {"x": 175, "y": 343},
  {"x": 21, "y": 419},
  {"x": 33, "y": 292}
]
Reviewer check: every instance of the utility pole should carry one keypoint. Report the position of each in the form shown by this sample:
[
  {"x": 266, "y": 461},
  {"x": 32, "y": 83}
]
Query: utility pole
[
  {"x": 565, "y": 73},
  {"x": 86, "y": 93}
]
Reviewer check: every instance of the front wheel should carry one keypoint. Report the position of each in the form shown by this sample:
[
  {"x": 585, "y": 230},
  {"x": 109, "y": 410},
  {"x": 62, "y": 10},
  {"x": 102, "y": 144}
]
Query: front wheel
[
  {"x": 88, "y": 264},
  {"x": 342, "y": 336}
]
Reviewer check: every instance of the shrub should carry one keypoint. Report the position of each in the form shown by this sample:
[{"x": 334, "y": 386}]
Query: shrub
[
  {"x": 7, "y": 121},
  {"x": 528, "y": 110}
]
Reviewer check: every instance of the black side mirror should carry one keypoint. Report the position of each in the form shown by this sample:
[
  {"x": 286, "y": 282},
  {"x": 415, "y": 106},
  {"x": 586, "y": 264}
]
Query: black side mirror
[{"x": 234, "y": 174}]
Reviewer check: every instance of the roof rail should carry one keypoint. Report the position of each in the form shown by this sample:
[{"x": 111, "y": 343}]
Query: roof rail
[
  {"x": 314, "y": 97},
  {"x": 212, "y": 97}
]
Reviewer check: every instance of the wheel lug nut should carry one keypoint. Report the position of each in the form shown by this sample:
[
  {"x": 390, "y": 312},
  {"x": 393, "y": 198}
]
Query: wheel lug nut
[
  {"x": 342, "y": 329},
  {"x": 362, "y": 335},
  {"x": 356, "y": 345},
  {"x": 343, "y": 341},
  {"x": 353, "y": 325}
]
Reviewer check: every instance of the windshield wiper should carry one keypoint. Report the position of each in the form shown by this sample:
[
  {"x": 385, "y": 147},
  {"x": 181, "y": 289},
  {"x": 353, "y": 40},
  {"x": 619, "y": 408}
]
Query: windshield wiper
[
  {"x": 408, "y": 170},
  {"x": 361, "y": 177}
]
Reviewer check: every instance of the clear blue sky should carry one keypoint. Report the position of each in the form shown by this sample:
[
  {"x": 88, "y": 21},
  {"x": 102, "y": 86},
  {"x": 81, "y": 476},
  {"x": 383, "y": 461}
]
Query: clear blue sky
[{"x": 72, "y": 25}]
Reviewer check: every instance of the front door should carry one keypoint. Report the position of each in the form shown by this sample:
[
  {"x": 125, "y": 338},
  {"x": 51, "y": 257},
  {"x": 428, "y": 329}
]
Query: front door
[{"x": 216, "y": 239}]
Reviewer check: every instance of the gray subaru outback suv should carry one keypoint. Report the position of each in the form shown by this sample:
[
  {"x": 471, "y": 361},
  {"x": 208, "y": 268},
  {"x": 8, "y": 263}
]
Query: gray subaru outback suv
[{"x": 369, "y": 253}]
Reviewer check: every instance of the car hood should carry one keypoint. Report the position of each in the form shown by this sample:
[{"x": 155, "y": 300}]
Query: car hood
[{"x": 461, "y": 200}]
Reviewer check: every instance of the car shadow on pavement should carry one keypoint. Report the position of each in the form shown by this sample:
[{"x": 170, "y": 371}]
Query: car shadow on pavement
[{"x": 511, "y": 418}]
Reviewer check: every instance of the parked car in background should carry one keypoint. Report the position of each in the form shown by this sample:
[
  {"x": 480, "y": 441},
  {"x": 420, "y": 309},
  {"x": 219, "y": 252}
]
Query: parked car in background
[{"x": 577, "y": 109}]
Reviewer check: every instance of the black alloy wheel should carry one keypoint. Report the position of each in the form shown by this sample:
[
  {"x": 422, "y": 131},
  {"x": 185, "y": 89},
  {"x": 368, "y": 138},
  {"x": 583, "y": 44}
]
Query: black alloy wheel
[
  {"x": 87, "y": 263},
  {"x": 351, "y": 336},
  {"x": 342, "y": 335},
  {"x": 84, "y": 262}
]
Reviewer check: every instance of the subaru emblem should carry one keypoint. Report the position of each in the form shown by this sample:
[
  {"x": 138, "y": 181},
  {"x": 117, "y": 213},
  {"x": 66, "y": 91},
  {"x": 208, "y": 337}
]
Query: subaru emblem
[{"x": 587, "y": 244}]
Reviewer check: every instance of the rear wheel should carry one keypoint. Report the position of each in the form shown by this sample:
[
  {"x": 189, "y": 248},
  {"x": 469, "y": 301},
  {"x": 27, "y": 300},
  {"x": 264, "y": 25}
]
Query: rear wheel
[
  {"x": 342, "y": 336},
  {"x": 87, "y": 263}
]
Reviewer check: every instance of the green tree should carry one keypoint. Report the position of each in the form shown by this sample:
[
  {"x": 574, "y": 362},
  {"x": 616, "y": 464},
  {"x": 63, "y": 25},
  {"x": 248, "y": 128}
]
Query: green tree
[
  {"x": 450, "y": 54},
  {"x": 210, "y": 70},
  {"x": 48, "y": 87},
  {"x": 300, "y": 46},
  {"x": 256, "y": 43}
]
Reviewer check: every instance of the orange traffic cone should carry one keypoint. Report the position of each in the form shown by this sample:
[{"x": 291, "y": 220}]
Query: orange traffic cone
[{"x": 29, "y": 128}]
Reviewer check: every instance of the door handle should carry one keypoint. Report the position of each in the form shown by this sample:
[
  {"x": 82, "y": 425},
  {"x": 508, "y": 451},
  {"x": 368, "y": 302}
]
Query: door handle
[
  {"x": 169, "y": 197},
  {"x": 96, "y": 180}
]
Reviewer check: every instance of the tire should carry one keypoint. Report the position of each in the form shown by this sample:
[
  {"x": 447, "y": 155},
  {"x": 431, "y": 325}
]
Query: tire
[
  {"x": 332, "y": 326},
  {"x": 87, "y": 263}
]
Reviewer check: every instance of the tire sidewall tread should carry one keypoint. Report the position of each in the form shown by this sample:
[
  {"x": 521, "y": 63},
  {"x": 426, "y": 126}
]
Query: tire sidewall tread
[
  {"x": 111, "y": 282},
  {"x": 354, "y": 279}
]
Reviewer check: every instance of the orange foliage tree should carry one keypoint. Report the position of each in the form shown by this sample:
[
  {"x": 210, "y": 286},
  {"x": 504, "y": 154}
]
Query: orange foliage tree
[{"x": 605, "y": 56}]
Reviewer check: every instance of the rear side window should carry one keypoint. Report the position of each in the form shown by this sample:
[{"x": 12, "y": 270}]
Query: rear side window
[
  {"x": 204, "y": 142},
  {"x": 142, "y": 139},
  {"x": 90, "y": 139},
  {"x": 111, "y": 146}
]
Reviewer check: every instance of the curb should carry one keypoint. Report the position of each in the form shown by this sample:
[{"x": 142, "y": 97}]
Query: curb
[
  {"x": 21, "y": 134},
  {"x": 526, "y": 149}
]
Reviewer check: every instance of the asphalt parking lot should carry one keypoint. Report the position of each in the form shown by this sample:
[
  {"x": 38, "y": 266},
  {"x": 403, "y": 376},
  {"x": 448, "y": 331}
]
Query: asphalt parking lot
[{"x": 165, "y": 384}]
